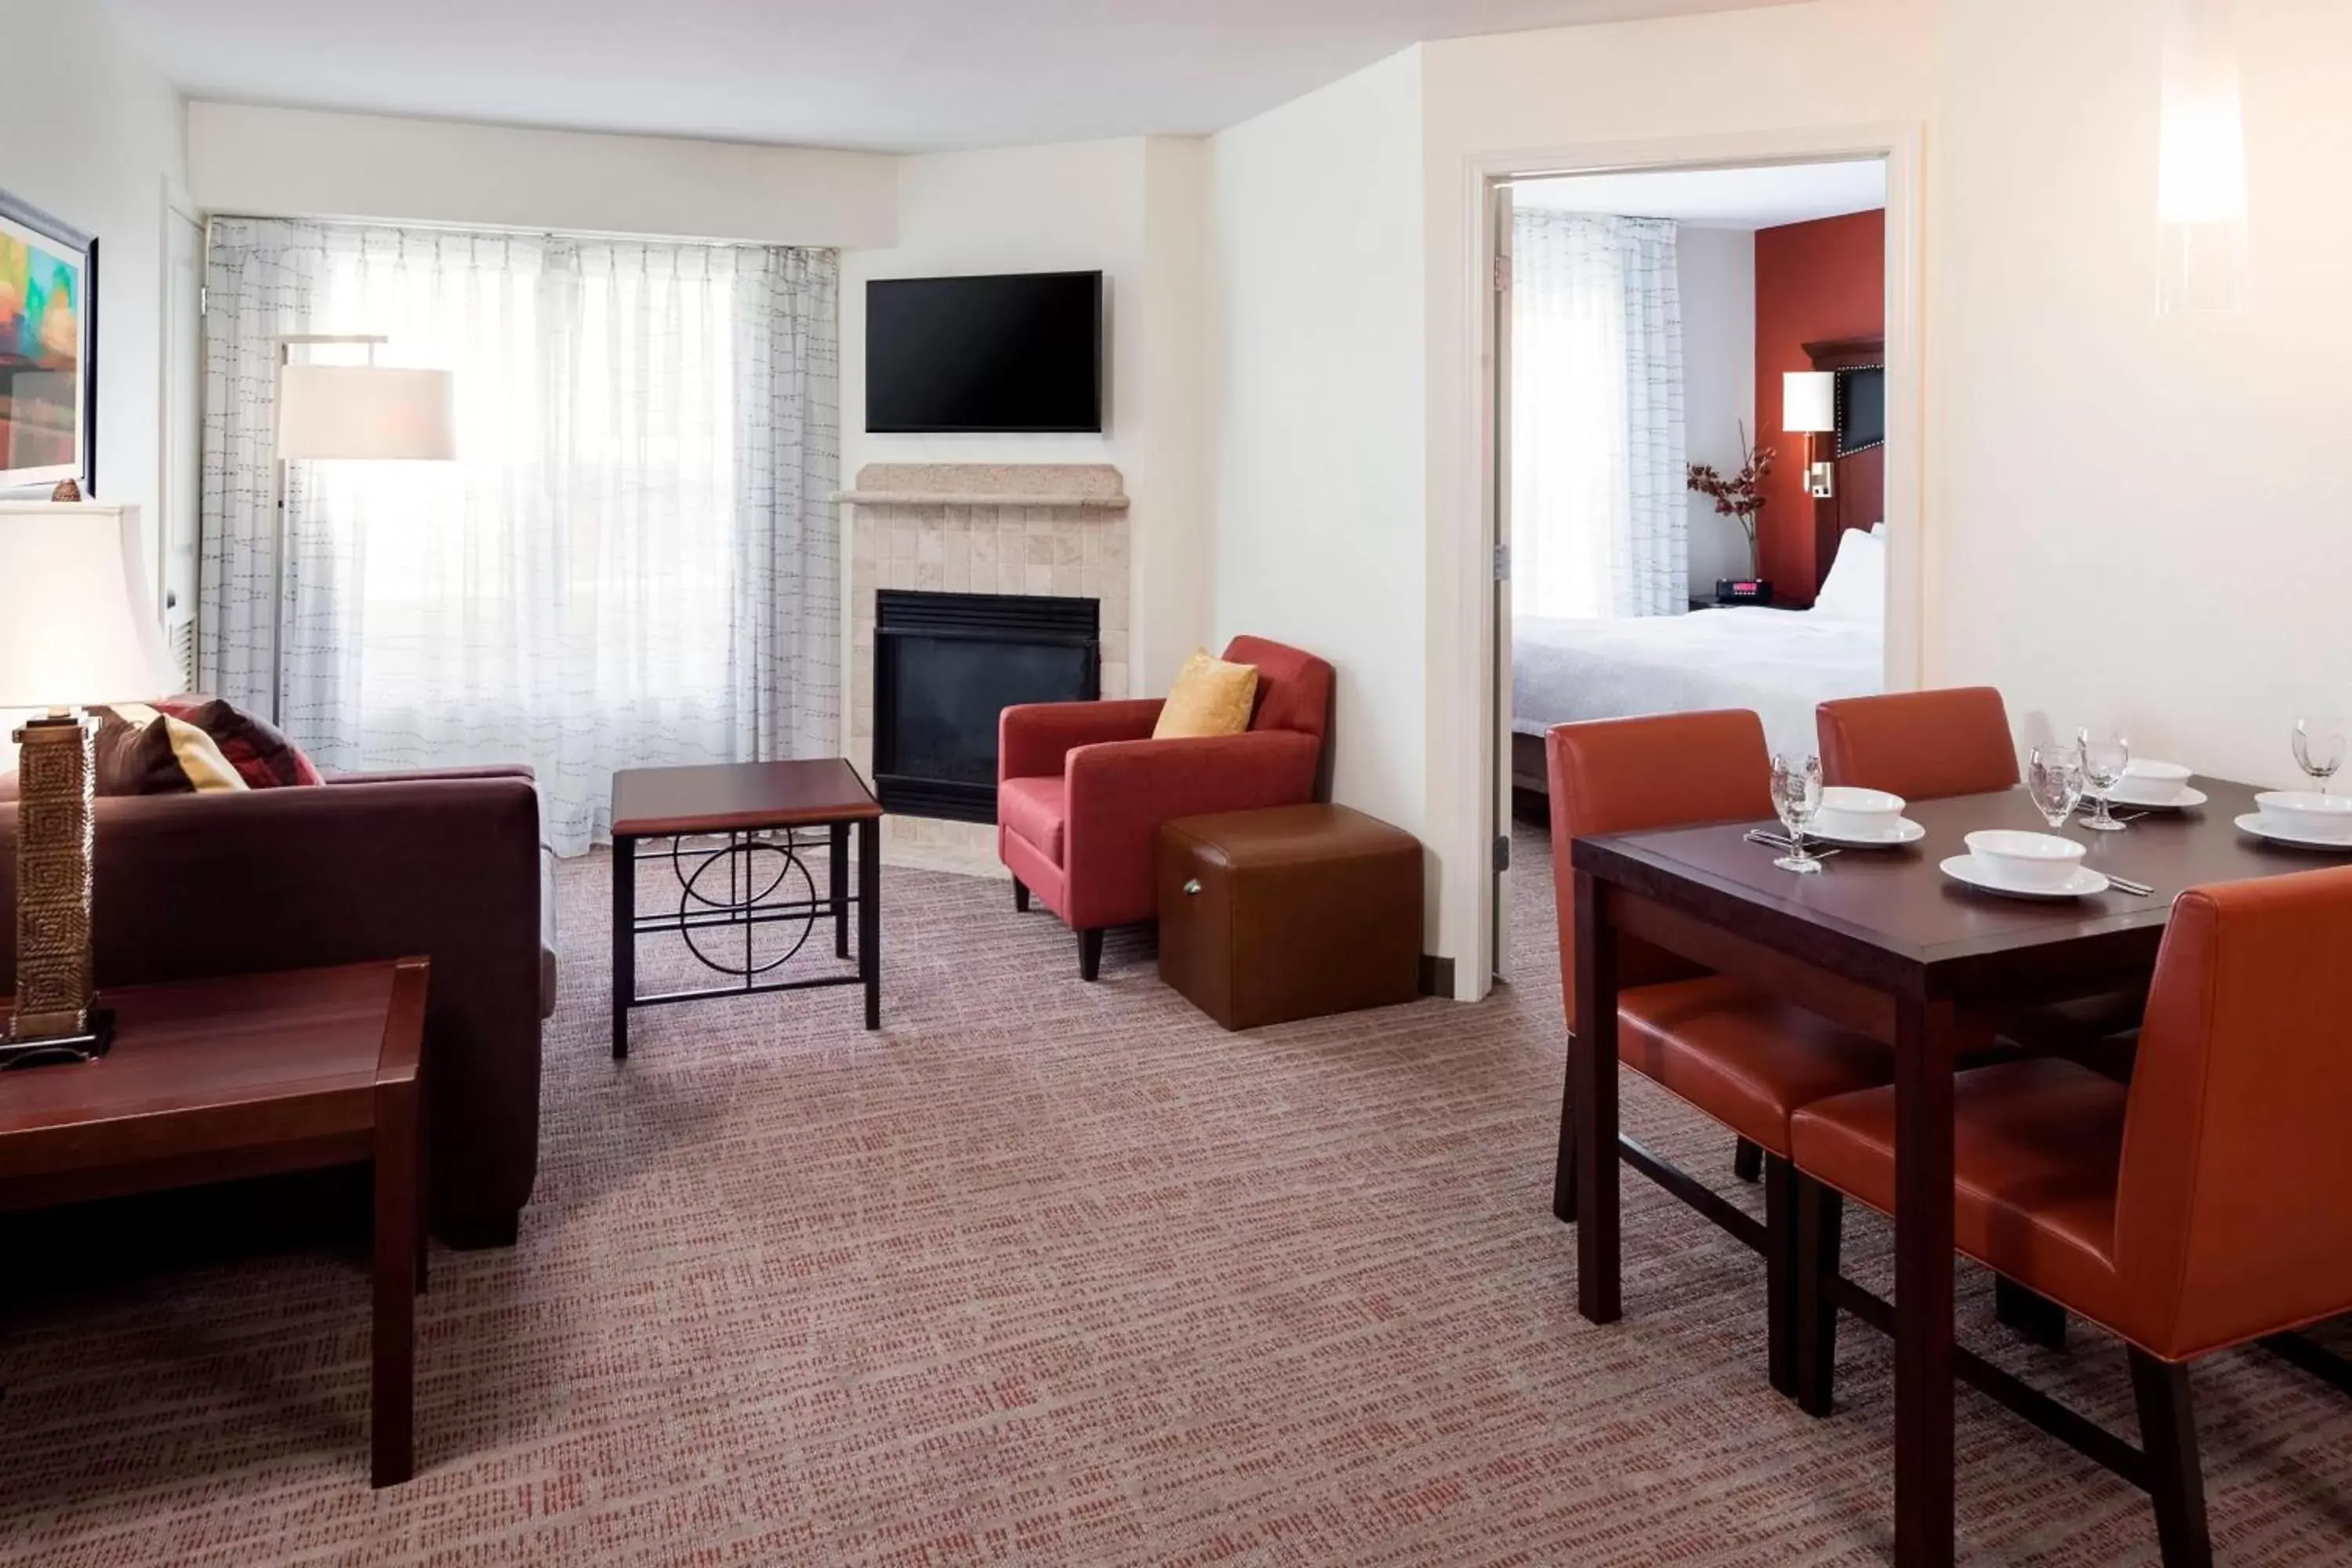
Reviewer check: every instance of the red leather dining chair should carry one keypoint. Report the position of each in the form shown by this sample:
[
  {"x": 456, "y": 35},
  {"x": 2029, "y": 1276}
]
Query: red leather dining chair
[
  {"x": 2199, "y": 1208},
  {"x": 1082, "y": 787},
  {"x": 1744, "y": 1059},
  {"x": 1926, "y": 746},
  {"x": 1921, "y": 745}
]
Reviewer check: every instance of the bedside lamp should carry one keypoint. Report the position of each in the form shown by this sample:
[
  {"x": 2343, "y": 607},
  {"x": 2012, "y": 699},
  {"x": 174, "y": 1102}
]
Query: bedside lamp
[
  {"x": 1809, "y": 408},
  {"x": 74, "y": 628}
]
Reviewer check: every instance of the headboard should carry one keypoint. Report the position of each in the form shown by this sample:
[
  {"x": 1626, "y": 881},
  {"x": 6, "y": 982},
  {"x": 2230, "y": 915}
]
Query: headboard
[{"x": 1859, "y": 500}]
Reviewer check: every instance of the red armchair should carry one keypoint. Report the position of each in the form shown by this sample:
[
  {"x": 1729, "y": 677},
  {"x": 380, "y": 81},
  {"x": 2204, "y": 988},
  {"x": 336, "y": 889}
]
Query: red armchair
[{"x": 1081, "y": 787}]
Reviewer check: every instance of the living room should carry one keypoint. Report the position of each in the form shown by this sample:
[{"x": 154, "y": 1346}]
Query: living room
[{"x": 1078, "y": 1156}]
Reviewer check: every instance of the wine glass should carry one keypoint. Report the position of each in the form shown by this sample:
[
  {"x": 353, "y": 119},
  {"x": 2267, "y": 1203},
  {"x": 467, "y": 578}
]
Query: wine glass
[
  {"x": 1796, "y": 796},
  {"x": 2319, "y": 746},
  {"x": 2053, "y": 777},
  {"x": 2106, "y": 756}
]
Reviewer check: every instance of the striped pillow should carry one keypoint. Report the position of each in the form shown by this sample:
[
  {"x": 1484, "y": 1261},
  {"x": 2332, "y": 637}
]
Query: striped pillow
[
  {"x": 143, "y": 751},
  {"x": 263, "y": 757}
]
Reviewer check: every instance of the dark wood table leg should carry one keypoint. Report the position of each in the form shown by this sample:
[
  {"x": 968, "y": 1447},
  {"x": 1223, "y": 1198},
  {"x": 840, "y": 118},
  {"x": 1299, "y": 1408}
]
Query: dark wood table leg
[
  {"x": 837, "y": 889},
  {"x": 869, "y": 916},
  {"x": 423, "y": 1195},
  {"x": 398, "y": 1159},
  {"x": 624, "y": 940},
  {"x": 1592, "y": 1087},
  {"x": 1563, "y": 1166},
  {"x": 1922, "y": 1283}
]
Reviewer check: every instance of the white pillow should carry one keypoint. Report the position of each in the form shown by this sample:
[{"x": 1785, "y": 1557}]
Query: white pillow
[{"x": 1856, "y": 587}]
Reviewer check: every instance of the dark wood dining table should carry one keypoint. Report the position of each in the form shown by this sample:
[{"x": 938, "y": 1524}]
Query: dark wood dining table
[{"x": 1883, "y": 943}]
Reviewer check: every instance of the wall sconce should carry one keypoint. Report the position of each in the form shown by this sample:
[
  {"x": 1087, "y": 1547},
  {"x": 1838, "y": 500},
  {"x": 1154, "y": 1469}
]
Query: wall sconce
[
  {"x": 1809, "y": 408},
  {"x": 2200, "y": 197}
]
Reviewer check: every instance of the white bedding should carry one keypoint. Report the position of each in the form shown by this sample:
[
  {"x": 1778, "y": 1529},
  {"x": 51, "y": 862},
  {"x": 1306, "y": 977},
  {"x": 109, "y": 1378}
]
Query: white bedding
[{"x": 1779, "y": 662}]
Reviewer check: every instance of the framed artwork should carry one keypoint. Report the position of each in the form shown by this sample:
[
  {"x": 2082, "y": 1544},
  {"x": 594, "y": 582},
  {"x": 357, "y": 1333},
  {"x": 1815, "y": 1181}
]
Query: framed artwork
[{"x": 48, "y": 348}]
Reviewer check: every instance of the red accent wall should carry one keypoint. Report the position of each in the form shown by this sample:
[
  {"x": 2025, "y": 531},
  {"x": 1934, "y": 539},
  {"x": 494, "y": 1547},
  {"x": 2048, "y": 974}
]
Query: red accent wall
[{"x": 1815, "y": 281}]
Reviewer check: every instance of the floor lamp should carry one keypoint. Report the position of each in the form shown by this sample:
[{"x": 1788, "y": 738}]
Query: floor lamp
[{"x": 351, "y": 411}]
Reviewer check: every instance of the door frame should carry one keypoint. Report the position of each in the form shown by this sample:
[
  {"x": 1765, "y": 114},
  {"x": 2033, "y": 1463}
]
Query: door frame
[
  {"x": 172, "y": 419},
  {"x": 1900, "y": 144}
]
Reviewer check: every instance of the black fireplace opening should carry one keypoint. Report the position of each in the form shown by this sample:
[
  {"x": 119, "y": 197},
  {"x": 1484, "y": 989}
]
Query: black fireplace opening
[{"x": 946, "y": 666}]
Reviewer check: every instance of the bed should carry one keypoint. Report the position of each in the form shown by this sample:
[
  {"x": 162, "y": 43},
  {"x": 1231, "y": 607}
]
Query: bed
[{"x": 1779, "y": 663}]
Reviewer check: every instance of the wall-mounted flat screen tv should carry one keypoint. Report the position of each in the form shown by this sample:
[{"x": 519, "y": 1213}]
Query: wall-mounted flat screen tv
[
  {"x": 1018, "y": 352},
  {"x": 1861, "y": 409}
]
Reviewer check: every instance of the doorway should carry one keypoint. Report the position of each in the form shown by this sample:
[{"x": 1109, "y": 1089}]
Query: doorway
[{"x": 1645, "y": 355}]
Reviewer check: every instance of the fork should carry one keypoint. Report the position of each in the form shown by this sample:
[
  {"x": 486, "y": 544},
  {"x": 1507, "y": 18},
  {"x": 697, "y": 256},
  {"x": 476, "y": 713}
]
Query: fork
[{"x": 2126, "y": 885}]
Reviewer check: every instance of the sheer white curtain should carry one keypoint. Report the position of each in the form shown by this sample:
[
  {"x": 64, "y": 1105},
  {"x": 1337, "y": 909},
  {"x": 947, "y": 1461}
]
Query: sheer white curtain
[
  {"x": 1599, "y": 522},
  {"x": 633, "y": 562}
]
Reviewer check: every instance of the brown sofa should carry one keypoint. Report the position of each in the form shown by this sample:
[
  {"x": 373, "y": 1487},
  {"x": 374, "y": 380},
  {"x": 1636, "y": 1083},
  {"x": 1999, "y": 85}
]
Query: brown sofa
[{"x": 375, "y": 866}]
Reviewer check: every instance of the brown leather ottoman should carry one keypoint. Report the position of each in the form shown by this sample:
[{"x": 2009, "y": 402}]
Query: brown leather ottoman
[{"x": 1290, "y": 913}]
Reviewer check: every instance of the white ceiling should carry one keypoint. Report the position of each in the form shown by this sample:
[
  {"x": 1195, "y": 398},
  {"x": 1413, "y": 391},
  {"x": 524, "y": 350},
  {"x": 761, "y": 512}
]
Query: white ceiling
[
  {"x": 1720, "y": 199},
  {"x": 890, "y": 75}
]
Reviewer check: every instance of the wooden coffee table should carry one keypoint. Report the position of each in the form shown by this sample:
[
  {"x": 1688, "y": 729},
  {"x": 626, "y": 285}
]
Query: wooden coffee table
[
  {"x": 213, "y": 1081},
  {"x": 761, "y": 810}
]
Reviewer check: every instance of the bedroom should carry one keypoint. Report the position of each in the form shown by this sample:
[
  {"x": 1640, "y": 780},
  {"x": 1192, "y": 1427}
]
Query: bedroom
[{"x": 1695, "y": 385}]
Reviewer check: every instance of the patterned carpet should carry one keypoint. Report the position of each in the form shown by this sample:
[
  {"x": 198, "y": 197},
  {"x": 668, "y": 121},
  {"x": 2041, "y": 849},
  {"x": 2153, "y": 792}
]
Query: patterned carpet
[{"x": 1053, "y": 1273}]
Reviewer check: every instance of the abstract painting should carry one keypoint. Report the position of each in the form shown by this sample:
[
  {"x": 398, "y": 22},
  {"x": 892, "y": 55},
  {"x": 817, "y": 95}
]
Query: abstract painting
[{"x": 48, "y": 274}]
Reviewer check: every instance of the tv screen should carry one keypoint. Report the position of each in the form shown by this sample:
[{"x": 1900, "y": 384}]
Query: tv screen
[
  {"x": 1017, "y": 351},
  {"x": 1861, "y": 409}
]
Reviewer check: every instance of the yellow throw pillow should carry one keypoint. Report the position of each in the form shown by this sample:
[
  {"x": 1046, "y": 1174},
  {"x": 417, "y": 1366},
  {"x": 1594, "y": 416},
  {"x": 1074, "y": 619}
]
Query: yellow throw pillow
[{"x": 1210, "y": 698}]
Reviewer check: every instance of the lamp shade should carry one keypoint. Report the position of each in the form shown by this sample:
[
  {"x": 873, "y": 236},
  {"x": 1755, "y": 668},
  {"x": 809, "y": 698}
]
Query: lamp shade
[
  {"x": 76, "y": 623},
  {"x": 366, "y": 411},
  {"x": 1807, "y": 402}
]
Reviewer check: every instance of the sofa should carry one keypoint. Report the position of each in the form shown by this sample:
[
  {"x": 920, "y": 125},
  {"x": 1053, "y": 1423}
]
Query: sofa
[
  {"x": 1082, "y": 787},
  {"x": 445, "y": 864}
]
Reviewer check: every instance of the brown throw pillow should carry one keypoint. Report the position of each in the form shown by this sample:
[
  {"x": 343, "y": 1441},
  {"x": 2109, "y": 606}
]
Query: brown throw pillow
[
  {"x": 263, "y": 757},
  {"x": 1210, "y": 698},
  {"x": 143, "y": 751}
]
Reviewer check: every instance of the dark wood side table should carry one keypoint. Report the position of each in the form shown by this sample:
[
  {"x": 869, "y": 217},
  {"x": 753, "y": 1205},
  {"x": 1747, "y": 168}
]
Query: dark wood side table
[
  {"x": 213, "y": 1081},
  {"x": 730, "y": 889}
]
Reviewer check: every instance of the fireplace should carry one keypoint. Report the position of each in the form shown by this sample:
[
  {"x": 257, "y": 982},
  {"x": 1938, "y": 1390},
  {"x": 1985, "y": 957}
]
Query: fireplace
[{"x": 946, "y": 666}]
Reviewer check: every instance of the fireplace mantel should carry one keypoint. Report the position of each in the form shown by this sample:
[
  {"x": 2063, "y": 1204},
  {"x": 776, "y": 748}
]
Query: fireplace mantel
[
  {"x": 979, "y": 498},
  {"x": 1083, "y": 487}
]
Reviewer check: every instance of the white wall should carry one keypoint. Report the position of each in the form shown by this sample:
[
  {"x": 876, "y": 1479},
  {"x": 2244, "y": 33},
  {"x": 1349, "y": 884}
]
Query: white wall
[
  {"x": 2128, "y": 517},
  {"x": 1316, "y": 412},
  {"x": 292, "y": 163},
  {"x": 1717, "y": 270},
  {"x": 89, "y": 131},
  {"x": 1129, "y": 207},
  {"x": 1829, "y": 63},
  {"x": 2138, "y": 519}
]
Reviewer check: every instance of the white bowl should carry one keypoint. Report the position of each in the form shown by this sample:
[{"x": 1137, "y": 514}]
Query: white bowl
[
  {"x": 2147, "y": 781},
  {"x": 1849, "y": 813},
  {"x": 2307, "y": 812},
  {"x": 2036, "y": 860}
]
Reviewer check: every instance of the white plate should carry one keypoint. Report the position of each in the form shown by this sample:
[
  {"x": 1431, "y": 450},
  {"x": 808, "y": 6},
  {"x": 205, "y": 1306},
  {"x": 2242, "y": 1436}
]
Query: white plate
[
  {"x": 2254, "y": 823},
  {"x": 2147, "y": 794},
  {"x": 1904, "y": 832},
  {"x": 1969, "y": 870}
]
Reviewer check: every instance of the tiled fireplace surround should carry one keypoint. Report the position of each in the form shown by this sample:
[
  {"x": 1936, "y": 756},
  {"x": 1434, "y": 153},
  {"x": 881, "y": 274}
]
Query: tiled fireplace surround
[{"x": 978, "y": 528}]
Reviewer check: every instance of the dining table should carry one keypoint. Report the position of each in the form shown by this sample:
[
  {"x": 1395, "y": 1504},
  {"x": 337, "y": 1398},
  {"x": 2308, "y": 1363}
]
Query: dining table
[{"x": 1884, "y": 941}]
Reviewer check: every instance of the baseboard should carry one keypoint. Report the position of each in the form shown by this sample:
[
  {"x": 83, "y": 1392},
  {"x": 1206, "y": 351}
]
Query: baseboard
[{"x": 1436, "y": 976}]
